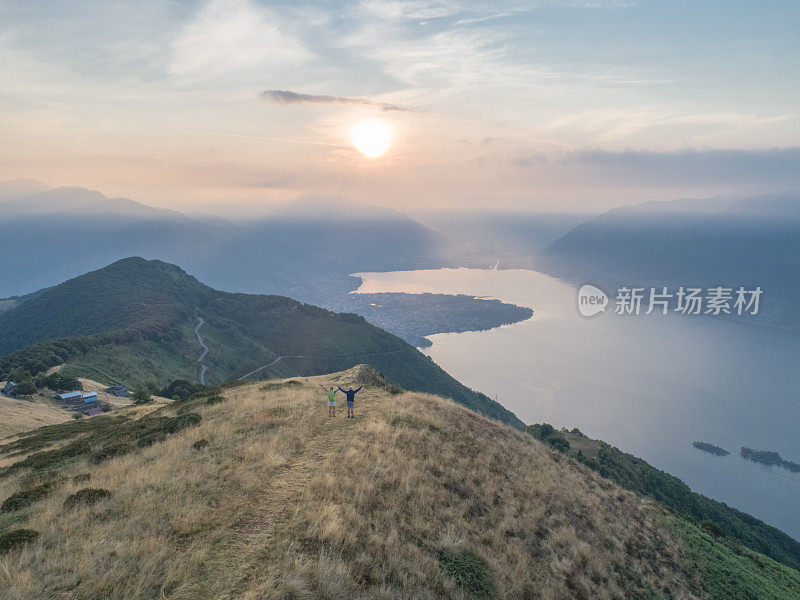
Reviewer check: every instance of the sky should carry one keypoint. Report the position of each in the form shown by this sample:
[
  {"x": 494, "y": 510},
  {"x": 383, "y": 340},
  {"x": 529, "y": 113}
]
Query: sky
[{"x": 231, "y": 106}]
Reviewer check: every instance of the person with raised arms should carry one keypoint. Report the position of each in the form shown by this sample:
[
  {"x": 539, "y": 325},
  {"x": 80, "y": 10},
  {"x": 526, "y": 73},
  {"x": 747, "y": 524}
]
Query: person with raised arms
[
  {"x": 351, "y": 400},
  {"x": 331, "y": 400}
]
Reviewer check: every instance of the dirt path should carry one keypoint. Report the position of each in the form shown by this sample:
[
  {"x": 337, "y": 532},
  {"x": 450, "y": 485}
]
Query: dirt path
[
  {"x": 203, "y": 367},
  {"x": 265, "y": 530},
  {"x": 274, "y": 362}
]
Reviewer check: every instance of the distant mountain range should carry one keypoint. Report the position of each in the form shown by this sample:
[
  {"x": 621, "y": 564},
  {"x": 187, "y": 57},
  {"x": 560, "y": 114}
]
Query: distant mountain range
[
  {"x": 714, "y": 242},
  {"x": 305, "y": 251},
  {"x": 134, "y": 322}
]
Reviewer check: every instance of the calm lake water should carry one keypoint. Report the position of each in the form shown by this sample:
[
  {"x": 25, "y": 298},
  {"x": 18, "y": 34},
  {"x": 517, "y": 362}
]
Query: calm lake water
[{"x": 648, "y": 385}]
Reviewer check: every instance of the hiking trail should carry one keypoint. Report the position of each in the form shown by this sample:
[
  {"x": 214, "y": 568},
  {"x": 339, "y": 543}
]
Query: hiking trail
[{"x": 203, "y": 367}]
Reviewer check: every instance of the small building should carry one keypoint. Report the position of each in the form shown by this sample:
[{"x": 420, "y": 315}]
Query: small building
[
  {"x": 9, "y": 389},
  {"x": 89, "y": 396},
  {"x": 71, "y": 400},
  {"x": 70, "y": 397},
  {"x": 120, "y": 391}
]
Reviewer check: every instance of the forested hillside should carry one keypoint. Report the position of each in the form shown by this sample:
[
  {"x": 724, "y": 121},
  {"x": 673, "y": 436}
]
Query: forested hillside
[{"x": 134, "y": 322}]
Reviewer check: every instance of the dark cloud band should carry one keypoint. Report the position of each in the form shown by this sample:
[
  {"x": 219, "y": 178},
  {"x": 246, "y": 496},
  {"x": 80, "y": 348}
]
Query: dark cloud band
[{"x": 289, "y": 97}]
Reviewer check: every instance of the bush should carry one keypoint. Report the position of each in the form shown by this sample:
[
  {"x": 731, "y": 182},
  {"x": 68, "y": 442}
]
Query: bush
[
  {"x": 469, "y": 572},
  {"x": 558, "y": 443},
  {"x": 712, "y": 528},
  {"x": 141, "y": 395},
  {"x": 62, "y": 383},
  {"x": 25, "y": 387},
  {"x": 86, "y": 497},
  {"x": 16, "y": 538},
  {"x": 200, "y": 444},
  {"x": 24, "y": 498},
  {"x": 110, "y": 450},
  {"x": 181, "y": 388},
  {"x": 541, "y": 431}
]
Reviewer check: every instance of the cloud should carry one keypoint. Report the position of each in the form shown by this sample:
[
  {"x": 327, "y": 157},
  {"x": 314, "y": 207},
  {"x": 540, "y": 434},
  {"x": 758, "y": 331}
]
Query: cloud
[
  {"x": 289, "y": 97},
  {"x": 772, "y": 169},
  {"x": 227, "y": 38}
]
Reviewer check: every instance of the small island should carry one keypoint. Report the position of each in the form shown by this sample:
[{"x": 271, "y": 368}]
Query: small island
[
  {"x": 710, "y": 448},
  {"x": 766, "y": 457}
]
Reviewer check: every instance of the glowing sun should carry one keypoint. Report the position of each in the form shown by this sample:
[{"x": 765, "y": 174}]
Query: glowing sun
[{"x": 371, "y": 138}]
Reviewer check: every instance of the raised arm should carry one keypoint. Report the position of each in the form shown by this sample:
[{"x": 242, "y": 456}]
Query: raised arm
[
  {"x": 358, "y": 390},
  {"x": 340, "y": 389}
]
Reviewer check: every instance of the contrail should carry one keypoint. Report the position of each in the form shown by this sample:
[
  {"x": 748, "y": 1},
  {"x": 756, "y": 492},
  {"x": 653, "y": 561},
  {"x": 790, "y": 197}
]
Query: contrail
[{"x": 268, "y": 139}]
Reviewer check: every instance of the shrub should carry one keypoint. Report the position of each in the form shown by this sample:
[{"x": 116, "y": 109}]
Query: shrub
[
  {"x": 110, "y": 450},
  {"x": 469, "y": 572},
  {"x": 62, "y": 383},
  {"x": 181, "y": 388},
  {"x": 183, "y": 421},
  {"x": 558, "y": 443},
  {"x": 712, "y": 528},
  {"x": 541, "y": 431},
  {"x": 16, "y": 538},
  {"x": 24, "y": 498},
  {"x": 148, "y": 439},
  {"x": 200, "y": 444},
  {"x": 25, "y": 387},
  {"x": 86, "y": 497},
  {"x": 141, "y": 395}
]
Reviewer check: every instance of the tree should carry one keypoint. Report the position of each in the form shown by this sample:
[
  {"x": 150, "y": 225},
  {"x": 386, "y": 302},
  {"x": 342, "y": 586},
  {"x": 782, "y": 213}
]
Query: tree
[
  {"x": 25, "y": 387},
  {"x": 141, "y": 395},
  {"x": 62, "y": 383}
]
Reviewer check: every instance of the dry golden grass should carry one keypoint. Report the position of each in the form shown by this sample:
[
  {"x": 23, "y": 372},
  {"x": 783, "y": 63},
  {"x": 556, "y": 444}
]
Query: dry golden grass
[
  {"x": 285, "y": 502},
  {"x": 23, "y": 415}
]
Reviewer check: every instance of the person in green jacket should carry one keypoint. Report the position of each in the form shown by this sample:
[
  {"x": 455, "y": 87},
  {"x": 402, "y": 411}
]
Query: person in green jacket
[{"x": 331, "y": 400}]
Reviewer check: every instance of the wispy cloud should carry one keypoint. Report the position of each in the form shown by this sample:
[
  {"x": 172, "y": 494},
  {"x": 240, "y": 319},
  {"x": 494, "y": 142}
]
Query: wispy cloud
[
  {"x": 289, "y": 97},
  {"x": 229, "y": 38}
]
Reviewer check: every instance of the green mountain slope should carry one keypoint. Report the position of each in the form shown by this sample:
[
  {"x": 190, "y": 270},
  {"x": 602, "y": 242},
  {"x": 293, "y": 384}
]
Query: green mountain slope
[
  {"x": 134, "y": 322},
  {"x": 637, "y": 475}
]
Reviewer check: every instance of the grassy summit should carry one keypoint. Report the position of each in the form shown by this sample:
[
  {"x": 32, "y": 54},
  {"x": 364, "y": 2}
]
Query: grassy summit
[
  {"x": 133, "y": 322},
  {"x": 261, "y": 495}
]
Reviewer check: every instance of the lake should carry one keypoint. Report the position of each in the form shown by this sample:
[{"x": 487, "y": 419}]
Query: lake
[{"x": 649, "y": 385}]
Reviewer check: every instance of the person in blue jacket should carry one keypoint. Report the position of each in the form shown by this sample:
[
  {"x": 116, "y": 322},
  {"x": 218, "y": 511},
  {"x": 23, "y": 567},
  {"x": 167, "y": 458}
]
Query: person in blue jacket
[{"x": 351, "y": 400}]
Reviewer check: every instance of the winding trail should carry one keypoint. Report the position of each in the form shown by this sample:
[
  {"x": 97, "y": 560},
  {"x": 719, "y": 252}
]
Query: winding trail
[
  {"x": 203, "y": 367},
  {"x": 262, "y": 367}
]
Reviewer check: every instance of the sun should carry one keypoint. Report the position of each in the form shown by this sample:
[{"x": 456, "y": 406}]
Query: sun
[{"x": 372, "y": 138}]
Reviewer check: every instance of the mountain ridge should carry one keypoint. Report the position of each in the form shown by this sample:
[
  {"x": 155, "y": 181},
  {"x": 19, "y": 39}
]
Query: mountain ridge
[
  {"x": 437, "y": 502},
  {"x": 133, "y": 322}
]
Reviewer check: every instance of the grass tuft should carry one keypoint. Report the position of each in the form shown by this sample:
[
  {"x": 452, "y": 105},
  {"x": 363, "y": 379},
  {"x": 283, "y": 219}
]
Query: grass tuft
[
  {"x": 414, "y": 422},
  {"x": 278, "y": 385},
  {"x": 469, "y": 572}
]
